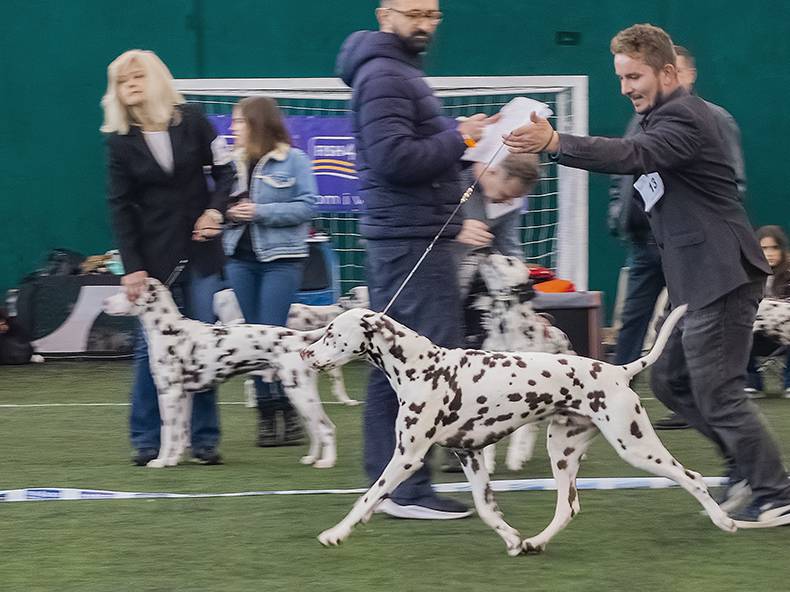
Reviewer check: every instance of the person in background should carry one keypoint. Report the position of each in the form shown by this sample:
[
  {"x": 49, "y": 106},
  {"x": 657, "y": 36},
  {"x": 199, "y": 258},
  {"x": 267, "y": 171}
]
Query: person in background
[
  {"x": 163, "y": 212},
  {"x": 628, "y": 221},
  {"x": 408, "y": 159},
  {"x": 273, "y": 204},
  {"x": 773, "y": 241}
]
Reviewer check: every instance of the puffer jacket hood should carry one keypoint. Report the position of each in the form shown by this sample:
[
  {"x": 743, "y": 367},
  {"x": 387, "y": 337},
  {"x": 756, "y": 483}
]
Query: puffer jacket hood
[{"x": 363, "y": 46}]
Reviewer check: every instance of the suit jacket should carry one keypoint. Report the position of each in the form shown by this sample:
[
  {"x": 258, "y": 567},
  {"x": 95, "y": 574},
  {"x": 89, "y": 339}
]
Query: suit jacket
[
  {"x": 153, "y": 212},
  {"x": 626, "y": 219},
  {"x": 708, "y": 247}
]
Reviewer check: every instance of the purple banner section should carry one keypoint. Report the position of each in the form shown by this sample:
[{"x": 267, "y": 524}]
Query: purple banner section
[{"x": 329, "y": 143}]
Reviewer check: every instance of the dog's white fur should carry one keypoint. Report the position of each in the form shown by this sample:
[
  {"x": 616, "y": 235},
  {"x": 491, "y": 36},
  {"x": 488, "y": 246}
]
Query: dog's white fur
[
  {"x": 467, "y": 399},
  {"x": 513, "y": 325},
  {"x": 301, "y": 317},
  {"x": 773, "y": 319},
  {"x": 188, "y": 356}
]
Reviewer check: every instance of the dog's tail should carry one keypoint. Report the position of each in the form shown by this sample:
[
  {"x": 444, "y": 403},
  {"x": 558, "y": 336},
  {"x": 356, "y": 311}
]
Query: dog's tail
[{"x": 634, "y": 368}]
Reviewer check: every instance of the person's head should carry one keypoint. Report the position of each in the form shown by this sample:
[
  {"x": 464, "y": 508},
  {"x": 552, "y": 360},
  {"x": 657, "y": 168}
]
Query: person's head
[
  {"x": 258, "y": 126},
  {"x": 139, "y": 88},
  {"x": 513, "y": 177},
  {"x": 773, "y": 241},
  {"x": 644, "y": 61},
  {"x": 414, "y": 21},
  {"x": 686, "y": 67}
]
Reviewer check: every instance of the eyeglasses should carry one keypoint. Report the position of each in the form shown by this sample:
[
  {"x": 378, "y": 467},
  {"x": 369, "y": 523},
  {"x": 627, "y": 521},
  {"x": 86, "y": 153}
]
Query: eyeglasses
[{"x": 416, "y": 15}]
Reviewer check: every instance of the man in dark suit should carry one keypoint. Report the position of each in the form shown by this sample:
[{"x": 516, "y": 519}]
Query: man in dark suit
[{"x": 710, "y": 256}]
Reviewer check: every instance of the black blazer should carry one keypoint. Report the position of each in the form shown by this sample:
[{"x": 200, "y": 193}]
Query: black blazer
[
  {"x": 708, "y": 247},
  {"x": 153, "y": 212}
]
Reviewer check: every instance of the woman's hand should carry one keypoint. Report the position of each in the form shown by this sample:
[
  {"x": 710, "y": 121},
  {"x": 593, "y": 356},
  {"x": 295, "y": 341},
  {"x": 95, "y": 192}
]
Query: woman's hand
[
  {"x": 244, "y": 211},
  {"x": 135, "y": 284},
  {"x": 207, "y": 226}
]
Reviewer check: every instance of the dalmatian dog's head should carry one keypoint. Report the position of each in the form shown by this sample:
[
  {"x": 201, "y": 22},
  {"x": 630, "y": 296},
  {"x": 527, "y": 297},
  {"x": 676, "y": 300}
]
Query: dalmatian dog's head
[
  {"x": 358, "y": 297},
  {"x": 120, "y": 305},
  {"x": 505, "y": 277},
  {"x": 346, "y": 338}
]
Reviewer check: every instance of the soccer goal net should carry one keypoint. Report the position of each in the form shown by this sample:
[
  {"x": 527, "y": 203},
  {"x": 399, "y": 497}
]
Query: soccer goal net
[{"x": 554, "y": 220}]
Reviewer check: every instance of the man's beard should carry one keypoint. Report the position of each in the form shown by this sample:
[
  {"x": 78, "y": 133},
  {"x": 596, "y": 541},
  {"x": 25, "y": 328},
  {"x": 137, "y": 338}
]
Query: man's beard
[{"x": 418, "y": 42}]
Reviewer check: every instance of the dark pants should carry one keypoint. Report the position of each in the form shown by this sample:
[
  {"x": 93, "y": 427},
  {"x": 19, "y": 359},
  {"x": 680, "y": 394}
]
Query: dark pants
[
  {"x": 645, "y": 282},
  {"x": 195, "y": 296},
  {"x": 701, "y": 374},
  {"x": 430, "y": 305}
]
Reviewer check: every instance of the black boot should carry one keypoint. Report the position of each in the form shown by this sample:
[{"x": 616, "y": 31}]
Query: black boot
[
  {"x": 267, "y": 418},
  {"x": 292, "y": 431}
]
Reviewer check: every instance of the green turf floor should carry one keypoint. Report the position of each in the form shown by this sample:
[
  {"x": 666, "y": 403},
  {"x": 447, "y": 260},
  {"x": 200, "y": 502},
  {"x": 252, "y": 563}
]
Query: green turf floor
[{"x": 623, "y": 540}]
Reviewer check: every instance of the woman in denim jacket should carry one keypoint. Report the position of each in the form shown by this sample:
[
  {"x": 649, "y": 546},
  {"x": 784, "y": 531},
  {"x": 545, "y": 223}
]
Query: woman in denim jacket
[{"x": 275, "y": 199}]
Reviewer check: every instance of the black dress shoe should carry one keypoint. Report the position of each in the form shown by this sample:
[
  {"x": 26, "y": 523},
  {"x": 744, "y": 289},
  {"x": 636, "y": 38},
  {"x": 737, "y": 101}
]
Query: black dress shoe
[
  {"x": 143, "y": 456},
  {"x": 207, "y": 455},
  {"x": 673, "y": 421}
]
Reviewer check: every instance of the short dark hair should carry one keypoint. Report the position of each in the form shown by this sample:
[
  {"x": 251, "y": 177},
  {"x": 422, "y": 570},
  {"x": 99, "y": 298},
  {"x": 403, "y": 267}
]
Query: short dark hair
[
  {"x": 682, "y": 52},
  {"x": 524, "y": 167},
  {"x": 265, "y": 125},
  {"x": 648, "y": 42}
]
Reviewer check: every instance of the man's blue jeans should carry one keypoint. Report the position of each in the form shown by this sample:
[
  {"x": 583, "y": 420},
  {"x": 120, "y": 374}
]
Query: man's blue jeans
[
  {"x": 195, "y": 296},
  {"x": 265, "y": 292},
  {"x": 429, "y": 304},
  {"x": 645, "y": 282}
]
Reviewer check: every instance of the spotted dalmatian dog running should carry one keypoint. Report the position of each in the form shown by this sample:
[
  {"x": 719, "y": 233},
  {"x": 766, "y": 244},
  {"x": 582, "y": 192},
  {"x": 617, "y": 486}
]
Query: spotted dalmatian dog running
[
  {"x": 188, "y": 356},
  {"x": 511, "y": 324},
  {"x": 468, "y": 399},
  {"x": 773, "y": 319}
]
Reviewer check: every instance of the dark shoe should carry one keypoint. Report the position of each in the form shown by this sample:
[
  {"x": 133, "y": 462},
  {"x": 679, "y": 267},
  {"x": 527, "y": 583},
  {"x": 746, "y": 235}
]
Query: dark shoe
[
  {"x": 207, "y": 455},
  {"x": 267, "y": 429},
  {"x": 673, "y": 421},
  {"x": 763, "y": 514},
  {"x": 143, "y": 456},
  {"x": 293, "y": 431},
  {"x": 425, "y": 508}
]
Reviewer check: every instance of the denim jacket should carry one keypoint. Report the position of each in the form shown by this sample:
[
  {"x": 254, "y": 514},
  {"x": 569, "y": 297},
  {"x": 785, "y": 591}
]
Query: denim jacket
[{"x": 285, "y": 193}]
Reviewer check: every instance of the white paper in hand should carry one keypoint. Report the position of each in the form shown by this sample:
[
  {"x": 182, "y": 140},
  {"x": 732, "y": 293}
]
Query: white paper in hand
[
  {"x": 651, "y": 188},
  {"x": 515, "y": 114}
]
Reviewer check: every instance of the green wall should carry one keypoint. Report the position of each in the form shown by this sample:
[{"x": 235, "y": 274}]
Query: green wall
[{"x": 54, "y": 56}]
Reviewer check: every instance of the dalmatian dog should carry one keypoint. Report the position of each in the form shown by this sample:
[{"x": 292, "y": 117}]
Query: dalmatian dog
[
  {"x": 301, "y": 317},
  {"x": 773, "y": 319},
  {"x": 468, "y": 399},
  {"x": 188, "y": 356},
  {"x": 511, "y": 324}
]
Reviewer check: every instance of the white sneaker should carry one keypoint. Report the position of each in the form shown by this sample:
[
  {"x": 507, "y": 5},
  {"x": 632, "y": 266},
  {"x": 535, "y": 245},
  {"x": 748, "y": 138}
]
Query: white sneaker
[
  {"x": 753, "y": 393},
  {"x": 416, "y": 512}
]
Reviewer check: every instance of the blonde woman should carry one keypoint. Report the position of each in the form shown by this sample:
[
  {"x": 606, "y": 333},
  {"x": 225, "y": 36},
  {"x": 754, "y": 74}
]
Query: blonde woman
[{"x": 163, "y": 211}]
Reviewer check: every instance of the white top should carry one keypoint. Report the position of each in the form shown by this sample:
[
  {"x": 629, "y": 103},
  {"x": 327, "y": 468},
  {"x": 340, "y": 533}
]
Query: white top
[{"x": 160, "y": 146}]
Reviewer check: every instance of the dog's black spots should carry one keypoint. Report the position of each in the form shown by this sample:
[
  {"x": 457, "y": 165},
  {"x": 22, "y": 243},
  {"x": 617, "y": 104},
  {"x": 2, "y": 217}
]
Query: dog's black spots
[
  {"x": 546, "y": 373},
  {"x": 658, "y": 461},
  {"x": 407, "y": 466},
  {"x": 397, "y": 352},
  {"x": 439, "y": 417},
  {"x": 430, "y": 433},
  {"x": 568, "y": 451},
  {"x": 635, "y": 432},
  {"x": 638, "y": 409},
  {"x": 644, "y": 364},
  {"x": 531, "y": 382},
  {"x": 451, "y": 418},
  {"x": 649, "y": 457},
  {"x": 563, "y": 361},
  {"x": 412, "y": 439},
  {"x": 475, "y": 464},
  {"x": 477, "y": 377},
  {"x": 463, "y": 361},
  {"x": 596, "y": 369},
  {"x": 607, "y": 417},
  {"x": 481, "y": 400},
  {"x": 690, "y": 475},
  {"x": 171, "y": 350},
  {"x": 514, "y": 397},
  {"x": 564, "y": 392},
  {"x": 489, "y": 494},
  {"x": 562, "y": 464},
  {"x": 597, "y": 400},
  {"x": 521, "y": 363},
  {"x": 381, "y": 482},
  {"x": 417, "y": 408},
  {"x": 482, "y": 411},
  {"x": 674, "y": 464},
  {"x": 409, "y": 421},
  {"x": 620, "y": 442},
  {"x": 525, "y": 414},
  {"x": 170, "y": 330}
]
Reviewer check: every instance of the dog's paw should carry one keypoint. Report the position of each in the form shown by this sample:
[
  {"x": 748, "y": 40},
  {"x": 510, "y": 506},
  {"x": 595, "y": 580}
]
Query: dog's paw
[
  {"x": 529, "y": 547},
  {"x": 726, "y": 523},
  {"x": 334, "y": 536},
  {"x": 323, "y": 464},
  {"x": 157, "y": 463},
  {"x": 307, "y": 459},
  {"x": 514, "y": 544},
  {"x": 514, "y": 465}
]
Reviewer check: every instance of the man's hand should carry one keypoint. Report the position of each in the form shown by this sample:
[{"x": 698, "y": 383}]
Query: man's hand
[
  {"x": 535, "y": 138},
  {"x": 473, "y": 126},
  {"x": 244, "y": 211},
  {"x": 135, "y": 284},
  {"x": 207, "y": 226},
  {"x": 474, "y": 233}
]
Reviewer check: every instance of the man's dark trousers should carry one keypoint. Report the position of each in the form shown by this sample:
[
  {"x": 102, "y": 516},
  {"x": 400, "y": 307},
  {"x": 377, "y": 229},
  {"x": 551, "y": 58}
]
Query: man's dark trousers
[{"x": 429, "y": 304}]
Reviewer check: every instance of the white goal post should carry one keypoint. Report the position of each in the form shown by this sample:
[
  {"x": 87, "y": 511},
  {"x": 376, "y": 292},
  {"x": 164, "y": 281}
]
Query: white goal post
[{"x": 555, "y": 228}]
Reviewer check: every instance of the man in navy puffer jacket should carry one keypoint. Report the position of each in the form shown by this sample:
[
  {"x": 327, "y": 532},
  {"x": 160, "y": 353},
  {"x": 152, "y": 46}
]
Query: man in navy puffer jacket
[{"x": 408, "y": 159}]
